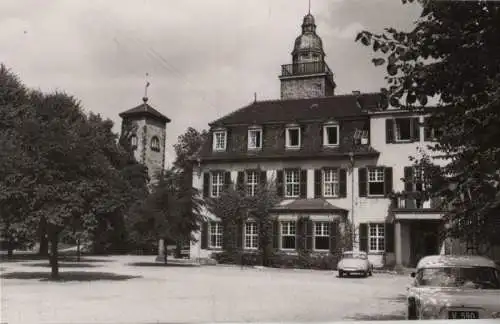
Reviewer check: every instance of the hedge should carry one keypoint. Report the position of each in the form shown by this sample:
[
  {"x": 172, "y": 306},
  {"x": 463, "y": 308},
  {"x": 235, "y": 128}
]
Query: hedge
[{"x": 301, "y": 260}]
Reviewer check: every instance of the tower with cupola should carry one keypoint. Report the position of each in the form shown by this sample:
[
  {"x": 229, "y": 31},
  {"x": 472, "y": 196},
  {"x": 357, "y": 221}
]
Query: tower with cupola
[
  {"x": 146, "y": 129},
  {"x": 308, "y": 76}
]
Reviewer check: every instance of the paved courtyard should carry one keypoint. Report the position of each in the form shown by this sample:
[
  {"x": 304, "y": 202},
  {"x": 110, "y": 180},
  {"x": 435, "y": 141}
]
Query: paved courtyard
[{"x": 130, "y": 289}]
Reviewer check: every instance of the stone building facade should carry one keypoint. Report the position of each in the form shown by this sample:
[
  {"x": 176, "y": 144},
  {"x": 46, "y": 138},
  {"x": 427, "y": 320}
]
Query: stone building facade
[{"x": 147, "y": 128}]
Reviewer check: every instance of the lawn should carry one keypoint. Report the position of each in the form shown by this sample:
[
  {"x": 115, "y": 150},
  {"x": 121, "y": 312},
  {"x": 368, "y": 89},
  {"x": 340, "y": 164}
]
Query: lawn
[{"x": 129, "y": 289}]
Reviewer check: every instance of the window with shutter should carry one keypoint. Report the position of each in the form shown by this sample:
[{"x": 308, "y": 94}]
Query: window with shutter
[
  {"x": 252, "y": 182},
  {"x": 363, "y": 237},
  {"x": 376, "y": 182},
  {"x": 321, "y": 236},
  {"x": 376, "y": 236},
  {"x": 206, "y": 184},
  {"x": 318, "y": 183},
  {"x": 292, "y": 183},
  {"x": 330, "y": 183},
  {"x": 288, "y": 235},
  {"x": 216, "y": 183},
  {"x": 342, "y": 183},
  {"x": 280, "y": 184},
  {"x": 215, "y": 235},
  {"x": 389, "y": 237},
  {"x": 389, "y": 131},
  {"x": 363, "y": 181}
]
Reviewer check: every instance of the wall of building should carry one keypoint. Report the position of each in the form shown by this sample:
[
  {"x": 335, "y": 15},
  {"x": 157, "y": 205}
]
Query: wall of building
[
  {"x": 155, "y": 161},
  {"x": 301, "y": 88},
  {"x": 361, "y": 209}
]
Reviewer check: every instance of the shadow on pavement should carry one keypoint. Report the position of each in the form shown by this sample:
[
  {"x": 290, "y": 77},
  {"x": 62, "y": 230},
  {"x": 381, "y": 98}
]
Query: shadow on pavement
[
  {"x": 386, "y": 317},
  {"x": 68, "y": 276},
  {"x": 161, "y": 264},
  {"x": 63, "y": 265},
  {"x": 35, "y": 257}
]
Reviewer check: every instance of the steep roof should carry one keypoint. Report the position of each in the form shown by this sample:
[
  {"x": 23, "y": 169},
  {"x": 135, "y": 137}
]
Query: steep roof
[
  {"x": 294, "y": 110},
  {"x": 145, "y": 110}
]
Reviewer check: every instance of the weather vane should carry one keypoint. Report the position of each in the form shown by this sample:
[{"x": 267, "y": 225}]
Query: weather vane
[{"x": 146, "y": 88}]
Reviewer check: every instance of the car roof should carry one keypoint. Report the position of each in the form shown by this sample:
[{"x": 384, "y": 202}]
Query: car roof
[{"x": 438, "y": 261}]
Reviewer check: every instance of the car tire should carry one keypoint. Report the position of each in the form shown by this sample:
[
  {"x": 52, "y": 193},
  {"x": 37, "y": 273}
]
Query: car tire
[
  {"x": 341, "y": 274},
  {"x": 411, "y": 313},
  {"x": 365, "y": 274}
]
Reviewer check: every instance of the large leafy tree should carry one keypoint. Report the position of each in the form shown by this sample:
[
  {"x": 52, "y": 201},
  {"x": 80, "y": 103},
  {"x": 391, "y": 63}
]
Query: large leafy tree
[
  {"x": 166, "y": 213},
  {"x": 452, "y": 55},
  {"x": 62, "y": 170}
]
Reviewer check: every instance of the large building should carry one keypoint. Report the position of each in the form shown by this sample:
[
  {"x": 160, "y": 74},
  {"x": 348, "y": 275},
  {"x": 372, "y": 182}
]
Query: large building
[{"x": 336, "y": 159}]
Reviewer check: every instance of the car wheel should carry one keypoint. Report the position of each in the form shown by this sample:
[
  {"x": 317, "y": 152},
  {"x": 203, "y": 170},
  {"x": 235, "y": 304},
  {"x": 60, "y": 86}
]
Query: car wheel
[
  {"x": 412, "y": 310},
  {"x": 341, "y": 274},
  {"x": 370, "y": 273},
  {"x": 365, "y": 274}
]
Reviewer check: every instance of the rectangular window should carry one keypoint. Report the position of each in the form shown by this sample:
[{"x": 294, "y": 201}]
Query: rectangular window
[
  {"x": 251, "y": 235},
  {"x": 321, "y": 235},
  {"x": 376, "y": 182},
  {"x": 220, "y": 140},
  {"x": 216, "y": 184},
  {"x": 215, "y": 233},
  {"x": 331, "y": 135},
  {"x": 293, "y": 137},
  {"x": 254, "y": 139},
  {"x": 403, "y": 128},
  {"x": 288, "y": 233},
  {"x": 331, "y": 183},
  {"x": 252, "y": 182},
  {"x": 376, "y": 237},
  {"x": 292, "y": 183}
]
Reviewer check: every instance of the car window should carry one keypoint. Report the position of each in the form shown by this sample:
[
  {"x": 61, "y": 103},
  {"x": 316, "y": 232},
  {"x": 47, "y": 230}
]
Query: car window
[
  {"x": 464, "y": 277},
  {"x": 351, "y": 255}
]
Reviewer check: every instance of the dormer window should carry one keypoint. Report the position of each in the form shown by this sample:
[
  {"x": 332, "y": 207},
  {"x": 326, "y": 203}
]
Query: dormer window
[
  {"x": 255, "y": 138},
  {"x": 331, "y": 135},
  {"x": 220, "y": 140},
  {"x": 293, "y": 137},
  {"x": 155, "y": 144}
]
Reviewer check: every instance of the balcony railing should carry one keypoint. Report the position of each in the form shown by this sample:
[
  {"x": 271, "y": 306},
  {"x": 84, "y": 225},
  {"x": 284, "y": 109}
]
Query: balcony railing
[
  {"x": 416, "y": 203},
  {"x": 304, "y": 68}
]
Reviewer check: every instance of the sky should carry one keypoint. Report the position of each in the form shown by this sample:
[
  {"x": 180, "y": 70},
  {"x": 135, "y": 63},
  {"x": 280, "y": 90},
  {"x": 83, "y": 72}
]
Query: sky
[{"x": 203, "y": 58}]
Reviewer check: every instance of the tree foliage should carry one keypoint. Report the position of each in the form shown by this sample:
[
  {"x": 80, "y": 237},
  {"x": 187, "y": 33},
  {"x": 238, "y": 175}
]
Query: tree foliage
[
  {"x": 452, "y": 54},
  {"x": 234, "y": 207},
  {"x": 62, "y": 168}
]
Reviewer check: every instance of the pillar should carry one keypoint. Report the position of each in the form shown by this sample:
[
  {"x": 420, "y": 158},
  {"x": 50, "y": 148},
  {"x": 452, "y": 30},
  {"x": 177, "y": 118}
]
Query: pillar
[
  {"x": 161, "y": 248},
  {"x": 398, "y": 244}
]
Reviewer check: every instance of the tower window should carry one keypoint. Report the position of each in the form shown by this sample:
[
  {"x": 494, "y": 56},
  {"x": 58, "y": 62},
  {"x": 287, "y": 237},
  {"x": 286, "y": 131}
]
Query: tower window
[
  {"x": 155, "y": 144},
  {"x": 133, "y": 141}
]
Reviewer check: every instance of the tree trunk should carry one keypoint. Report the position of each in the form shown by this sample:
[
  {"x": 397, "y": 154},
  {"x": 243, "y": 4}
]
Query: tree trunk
[
  {"x": 10, "y": 250},
  {"x": 44, "y": 241},
  {"x": 78, "y": 250},
  {"x": 54, "y": 264}
]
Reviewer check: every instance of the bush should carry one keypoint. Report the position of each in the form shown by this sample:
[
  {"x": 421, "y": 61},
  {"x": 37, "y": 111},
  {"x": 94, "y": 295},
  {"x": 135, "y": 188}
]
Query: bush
[{"x": 301, "y": 260}]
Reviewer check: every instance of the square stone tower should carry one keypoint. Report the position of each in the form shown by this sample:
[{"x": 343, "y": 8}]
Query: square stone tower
[{"x": 148, "y": 135}]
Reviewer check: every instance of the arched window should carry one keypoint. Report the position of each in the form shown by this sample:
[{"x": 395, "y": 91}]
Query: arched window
[
  {"x": 155, "y": 144},
  {"x": 133, "y": 141}
]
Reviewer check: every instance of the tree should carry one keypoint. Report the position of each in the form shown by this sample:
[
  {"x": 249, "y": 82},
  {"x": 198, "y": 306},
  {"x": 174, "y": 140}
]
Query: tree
[
  {"x": 164, "y": 214},
  {"x": 234, "y": 207},
  {"x": 452, "y": 54},
  {"x": 62, "y": 171},
  {"x": 15, "y": 116}
]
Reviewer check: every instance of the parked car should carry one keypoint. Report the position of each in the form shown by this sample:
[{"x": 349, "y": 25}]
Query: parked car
[
  {"x": 354, "y": 263},
  {"x": 454, "y": 287}
]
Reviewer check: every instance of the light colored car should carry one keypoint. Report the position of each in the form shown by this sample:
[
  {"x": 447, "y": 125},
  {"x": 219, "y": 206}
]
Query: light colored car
[
  {"x": 454, "y": 287},
  {"x": 354, "y": 263}
]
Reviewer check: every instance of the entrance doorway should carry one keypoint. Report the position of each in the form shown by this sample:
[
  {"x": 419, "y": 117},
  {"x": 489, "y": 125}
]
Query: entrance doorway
[{"x": 424, "y": 240}]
